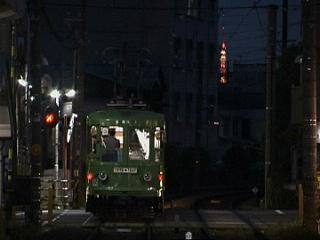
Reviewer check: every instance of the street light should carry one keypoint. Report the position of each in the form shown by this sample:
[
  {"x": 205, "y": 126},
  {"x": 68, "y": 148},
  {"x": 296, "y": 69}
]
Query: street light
[
  {"x": 55, "y": 94},
  {"x": 22, "y": 82},
  {"x": 27, "y": 99},
  {"x": 71, "y": 93}
]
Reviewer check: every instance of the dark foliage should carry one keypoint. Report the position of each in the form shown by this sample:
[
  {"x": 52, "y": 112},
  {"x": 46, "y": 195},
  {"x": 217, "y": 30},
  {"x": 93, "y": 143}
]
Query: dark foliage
[{"x": 242, "y": 167}]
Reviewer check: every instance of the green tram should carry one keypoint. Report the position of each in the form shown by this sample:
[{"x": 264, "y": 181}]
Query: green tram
[{"x": 127, "y": 179}]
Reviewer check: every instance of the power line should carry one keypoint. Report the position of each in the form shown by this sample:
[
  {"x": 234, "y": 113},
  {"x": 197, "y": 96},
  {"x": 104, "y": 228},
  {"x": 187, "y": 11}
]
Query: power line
[
  {"x": 242, "y": 20},
  {"x": 104, "y": 6},
  {"x": 60, "y": 39}
]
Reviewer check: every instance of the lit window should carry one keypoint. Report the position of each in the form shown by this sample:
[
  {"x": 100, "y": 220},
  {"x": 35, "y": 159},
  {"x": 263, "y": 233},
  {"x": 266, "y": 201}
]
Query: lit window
[
  {"x": 111, "y": 143},
  {"x": 139, "y": 144}
]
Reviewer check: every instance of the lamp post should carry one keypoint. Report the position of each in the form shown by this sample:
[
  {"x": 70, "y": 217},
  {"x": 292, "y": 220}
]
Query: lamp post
[
  {"x": 71, "y": 93},
  {"x": 23, "y": 83},
  {"x": 56, "y": 94}
]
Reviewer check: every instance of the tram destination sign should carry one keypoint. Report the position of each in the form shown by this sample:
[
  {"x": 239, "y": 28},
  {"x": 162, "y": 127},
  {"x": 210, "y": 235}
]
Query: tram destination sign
[{"x": 125, "y": 170}]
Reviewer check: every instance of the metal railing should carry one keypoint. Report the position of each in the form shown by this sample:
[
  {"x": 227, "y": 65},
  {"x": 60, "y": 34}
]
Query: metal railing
[{"x": 65, "y": 191}]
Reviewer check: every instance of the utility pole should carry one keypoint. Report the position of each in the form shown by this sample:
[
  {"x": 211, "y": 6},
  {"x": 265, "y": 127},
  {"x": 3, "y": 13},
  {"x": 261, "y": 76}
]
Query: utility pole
[
  {"x": 198, "y": 122},
  {"x": 56, "y": 162},
  {"x": 284, "y": 25},
  {"x": 270, "y": 78},
  {"x": 309, "y": 144},
  {"x": 36, "y": 147},
  {"x": 15, "y": 98},
  {"x": 79, "y": 148},
  {"x": 5, "y": 206}
]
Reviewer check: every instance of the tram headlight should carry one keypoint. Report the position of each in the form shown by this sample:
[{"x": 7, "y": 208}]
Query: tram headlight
[{"x": 102, "y": 176}]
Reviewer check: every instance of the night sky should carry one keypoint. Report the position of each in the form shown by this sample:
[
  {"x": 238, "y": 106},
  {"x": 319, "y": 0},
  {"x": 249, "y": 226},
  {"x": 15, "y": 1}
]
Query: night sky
[{"x": 245, "y": 28}]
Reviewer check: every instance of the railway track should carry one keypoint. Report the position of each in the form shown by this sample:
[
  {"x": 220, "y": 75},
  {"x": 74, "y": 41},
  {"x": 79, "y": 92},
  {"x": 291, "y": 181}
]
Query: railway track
[
  {"x": 181, "y": 228},
  {"x": 120, "y": 230}
]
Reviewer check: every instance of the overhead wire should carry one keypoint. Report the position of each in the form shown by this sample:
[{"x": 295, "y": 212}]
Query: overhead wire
[
  {"x": 134, "y": 8},
  {"x": 60, "y": 39},
  {"x": 242, "y": 20},
  {"x": 255, "y": 7}
]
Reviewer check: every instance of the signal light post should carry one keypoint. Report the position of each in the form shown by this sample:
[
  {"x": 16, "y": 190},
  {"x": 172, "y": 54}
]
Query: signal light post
[
  {"x": 52, "y": 120},
  {"x": 56, "y": 95}
]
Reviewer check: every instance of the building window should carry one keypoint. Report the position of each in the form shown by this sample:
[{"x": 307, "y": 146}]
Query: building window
[
  {"x": 212, "y": 10},
  {"x": 180, "y": 7},
  {"x": 176, "y": 51},
  {"x": 226, "y": 127},
  {"x": 176, "y": 47},
  {"x": 211, "y": 106},
  {"x": 189, "y": 53},
  {"x": 246, "y": 125},
  {"x": 235, "y": 129},
  {"x": 211, "y": 52},
  {"x": 176, "y": 108},
  {"x": 194, "y": 8},
  {"x": 189, "y": 102},
  {"x": 200, "y": 53},
  {"x": 212, "y": 101}
]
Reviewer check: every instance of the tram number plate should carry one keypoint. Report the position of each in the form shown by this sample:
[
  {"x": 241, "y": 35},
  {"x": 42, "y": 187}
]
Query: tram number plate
[{"x": 125, "y": 170}]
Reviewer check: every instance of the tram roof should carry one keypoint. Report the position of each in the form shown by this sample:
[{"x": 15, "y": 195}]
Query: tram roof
[{"x": 134, "y": 117}]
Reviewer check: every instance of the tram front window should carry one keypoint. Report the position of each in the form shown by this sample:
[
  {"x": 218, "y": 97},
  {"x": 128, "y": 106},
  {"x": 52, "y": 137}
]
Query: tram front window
[
  {"x": 139, "y": 144},
  {"x": 111, "y": 143}
]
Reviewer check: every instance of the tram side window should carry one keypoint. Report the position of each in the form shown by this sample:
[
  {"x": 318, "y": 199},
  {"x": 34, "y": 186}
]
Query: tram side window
[
  {"x": 93, "y": 133},
  {"x": 157, "y": 144},
  {"x": 111, "y": 143},
  {"x": 139, "y": 144},
  {"x": 159, "y": 138}
]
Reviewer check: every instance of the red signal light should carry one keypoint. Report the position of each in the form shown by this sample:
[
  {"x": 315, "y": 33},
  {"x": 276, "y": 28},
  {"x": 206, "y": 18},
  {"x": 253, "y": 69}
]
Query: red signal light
[
  {"x": 50, "y": 118},
  {"x": 160, "y": 177},
  {"x": 89, "y": 176}
]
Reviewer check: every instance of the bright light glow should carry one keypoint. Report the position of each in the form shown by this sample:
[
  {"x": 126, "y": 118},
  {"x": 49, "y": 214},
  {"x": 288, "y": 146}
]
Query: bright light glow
[
  {"x": 89, "y": 176},
  {"x": 50, "y": 118},
  {"x": 22, "y": 82},
  {"x": 55, "y": 93},
  {"x": 223, "y": 64},
  {"x": 71, "y": 93},
  {"x": 160, "y": 177}
]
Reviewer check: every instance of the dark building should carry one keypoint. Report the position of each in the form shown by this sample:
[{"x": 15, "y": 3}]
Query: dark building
[
  {"x": 164, "y": 50},
  {"x": 242, "y": 108}
]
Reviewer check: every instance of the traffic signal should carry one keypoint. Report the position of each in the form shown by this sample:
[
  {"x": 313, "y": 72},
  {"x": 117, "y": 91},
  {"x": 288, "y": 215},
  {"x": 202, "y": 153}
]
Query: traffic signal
[{"x": 51, "y": 117}]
